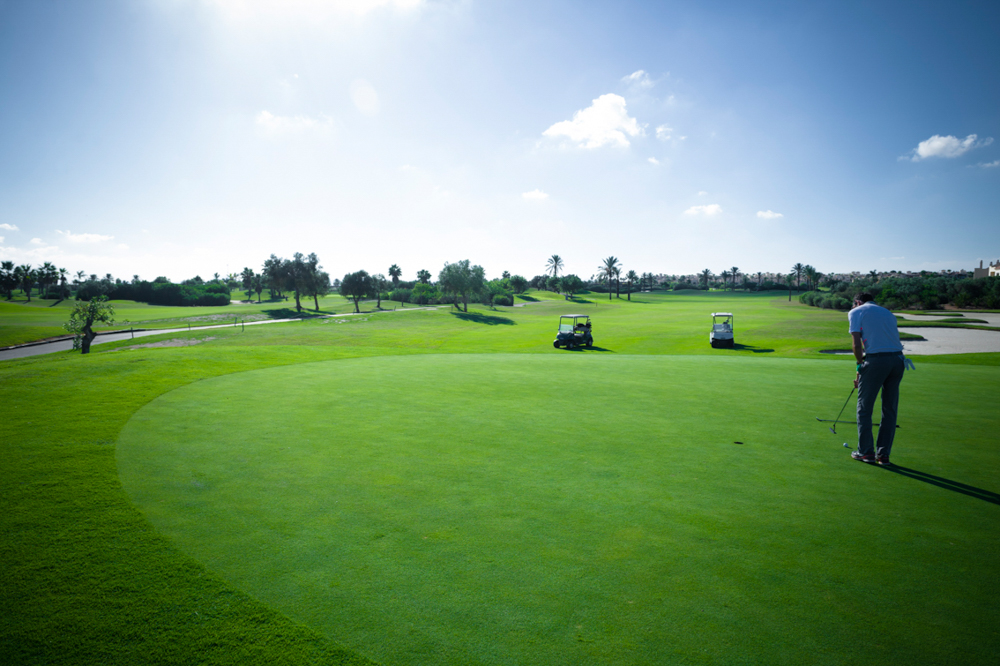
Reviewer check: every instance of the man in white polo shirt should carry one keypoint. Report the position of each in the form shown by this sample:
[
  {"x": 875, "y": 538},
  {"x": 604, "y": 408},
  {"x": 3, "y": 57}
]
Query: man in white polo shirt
[{"x": 879, "y": 354}]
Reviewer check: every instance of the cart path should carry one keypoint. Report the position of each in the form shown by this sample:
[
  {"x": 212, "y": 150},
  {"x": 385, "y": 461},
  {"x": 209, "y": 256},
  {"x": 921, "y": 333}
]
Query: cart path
[{"x": 37, "y": 349}]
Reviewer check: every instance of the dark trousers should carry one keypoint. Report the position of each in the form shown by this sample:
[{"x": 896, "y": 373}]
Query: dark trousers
[{"x": 879, "y": 372}]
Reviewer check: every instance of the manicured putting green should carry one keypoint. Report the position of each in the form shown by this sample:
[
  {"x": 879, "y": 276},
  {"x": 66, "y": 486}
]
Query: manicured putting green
[{"x": 577, "y": 508}]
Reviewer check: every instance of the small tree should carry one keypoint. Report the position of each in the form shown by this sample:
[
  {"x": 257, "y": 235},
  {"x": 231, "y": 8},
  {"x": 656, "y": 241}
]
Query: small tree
[
  {"x": 394, "y": 273},
  {"x": 247, "y": 277},
  {"x": 356, "y": 286},
  {"x": 519, "y": 284},
  {"x": 462, "y": 280},
  {"x": 424, "y": 276},
  {"x": 571, "y": 284},
  {"x": 379, "y": 283},
  {"x": 83, "y": 317}
]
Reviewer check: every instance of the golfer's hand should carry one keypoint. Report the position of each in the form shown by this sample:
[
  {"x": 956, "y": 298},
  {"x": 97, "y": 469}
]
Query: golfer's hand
[{"x": 857, "y": 378}]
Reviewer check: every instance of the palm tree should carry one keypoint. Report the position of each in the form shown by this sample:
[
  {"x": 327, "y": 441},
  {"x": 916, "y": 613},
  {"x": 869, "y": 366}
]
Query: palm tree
[
  {"x": 609, "y": 269},
  {"x": 788, "y": 279},
  {"x": 705, "y": 276},
  {"x": 554, "y": 265},
  {"x": 873, "y": 275},
  {"x": 79, "y": 277},
  {"x": 424, "y": 276},
  {"x": 26, "y": 278},
  {"x": 631, "y": 277},
  {"x": 618, "y": 282},
  {"x": 725, "y": 278},
  {"x": 734, "y": 271},
  {"x": 760, "y": 277},
  {"x": 797, "y": 270},
  {"x": 394, "y": 273},
  {"x": 811, "y": 275}
]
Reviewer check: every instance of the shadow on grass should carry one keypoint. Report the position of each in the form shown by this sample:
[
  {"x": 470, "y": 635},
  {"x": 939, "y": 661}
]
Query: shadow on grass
[
  {"x": 947, "y": 484},
  {"x": 574, "y": 299},
  {"x": 290, "y": 313},
  {"x": 751, "y": 348},
  {"x": 588, "y": 349},
  {"x": 55, "y": 303},
  {"x": 525, "y": 297},
  {"x": 478, "y": 318}
]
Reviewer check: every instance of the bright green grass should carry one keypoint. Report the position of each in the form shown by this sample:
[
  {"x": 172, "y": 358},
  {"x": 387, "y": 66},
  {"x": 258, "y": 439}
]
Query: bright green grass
[
  {"x": 580, "y": 509},
  {"x": 21, "y": 321},
  {"x": 85, "y": 578}
]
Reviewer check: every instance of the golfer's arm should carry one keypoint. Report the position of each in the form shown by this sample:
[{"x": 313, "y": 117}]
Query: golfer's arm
[{"x": 857, "y": 347}]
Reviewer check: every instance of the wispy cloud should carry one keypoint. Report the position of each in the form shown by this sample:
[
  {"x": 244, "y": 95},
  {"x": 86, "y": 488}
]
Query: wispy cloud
[
  {"x": 535, "y": 195},
  {"x": 768, "y": 214},
  {"x": 638, "y": 79},
  {"x": 364, "y": 97},
  {"x": 985, "y": 165},
  {"x": 605, "y": 121},
  {"x": 654, "y": 161},
  {"x": 37, "y": 241},
  {"x": 8, "y": 227},
  {"x": 707, "y": 210},
  {"x": 82, "y": 238},
  {"x": 288, "y": 125},
  {"x": 663, "y": 132},
  {"x": 945, "y": 146},
  {"x": 702, "y": 193}
]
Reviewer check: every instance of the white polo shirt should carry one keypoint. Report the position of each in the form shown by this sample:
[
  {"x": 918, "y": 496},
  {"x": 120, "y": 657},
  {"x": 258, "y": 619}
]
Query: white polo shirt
[{"x": 877, "y": 327}]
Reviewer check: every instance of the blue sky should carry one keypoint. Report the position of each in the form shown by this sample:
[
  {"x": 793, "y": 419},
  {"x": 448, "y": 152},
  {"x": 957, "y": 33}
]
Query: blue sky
[{"x": 182, "y": 137}]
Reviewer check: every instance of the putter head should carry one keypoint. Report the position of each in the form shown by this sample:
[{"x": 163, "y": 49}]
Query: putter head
[{"x": 833, "y": 430}]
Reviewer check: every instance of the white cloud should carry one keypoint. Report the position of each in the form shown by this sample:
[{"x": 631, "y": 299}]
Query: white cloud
[
  {"x": 768, "y": 214},
  {"x": 663, "y": 132},
  {"x": 535, "y": 195},
  {"x": 707, "y": 210},
  {"x": 121, "y": 246},
  {"x": 364, "y": 97},
  {"x": 985, "y": 165},
  {"x": 8, "y": 227},
  {"x": 945, "y": 146},
  {"x": 638, "y": 79},
  {"x": 82, "y": 238},
  {"x": 284, "y": 125},
  {"x": 605, "y": 121},
  {"x": 702, "y": 193},
  {"x": 653, "y": 160},
  {"x": 36, "y": 241}
]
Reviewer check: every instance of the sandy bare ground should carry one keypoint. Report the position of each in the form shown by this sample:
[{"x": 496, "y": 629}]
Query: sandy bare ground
[
  {"x": 951, "y": 341},
  {"x": 992, "y": 318},
  {"x": 174, "y": 342}
]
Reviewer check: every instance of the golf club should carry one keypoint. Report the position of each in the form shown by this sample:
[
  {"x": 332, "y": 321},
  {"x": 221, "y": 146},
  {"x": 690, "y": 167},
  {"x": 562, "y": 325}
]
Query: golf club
[
  {"x": 848, "y": 422},
  {"x": 833, "y": 428}
]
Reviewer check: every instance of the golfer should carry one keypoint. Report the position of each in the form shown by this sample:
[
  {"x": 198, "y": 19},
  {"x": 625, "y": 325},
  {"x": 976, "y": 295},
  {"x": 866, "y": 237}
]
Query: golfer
[{"x": 879, "y": 353}]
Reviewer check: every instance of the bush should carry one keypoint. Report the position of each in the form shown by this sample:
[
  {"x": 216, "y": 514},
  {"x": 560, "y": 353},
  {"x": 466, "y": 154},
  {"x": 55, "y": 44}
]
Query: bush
[
  {"x": 425, "y": 294},
  {"x": 503, "y": 299},
  {"x": 686, "y": 285},
  {"x": 401, "y": 295}
]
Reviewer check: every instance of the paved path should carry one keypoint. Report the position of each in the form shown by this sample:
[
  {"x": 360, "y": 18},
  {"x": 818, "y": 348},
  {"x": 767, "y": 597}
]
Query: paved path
[{"x": 36, "y": 349}]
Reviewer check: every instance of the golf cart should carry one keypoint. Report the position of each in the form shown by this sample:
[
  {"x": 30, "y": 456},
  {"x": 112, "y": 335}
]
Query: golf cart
[
  {"x": 722, "y": 330},
  {"x": 574, "y": 331}
]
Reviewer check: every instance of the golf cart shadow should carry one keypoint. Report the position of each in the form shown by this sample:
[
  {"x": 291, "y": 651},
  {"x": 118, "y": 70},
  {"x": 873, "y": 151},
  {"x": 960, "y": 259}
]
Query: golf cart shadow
[
  {"x": 751, "y": 348},
  {"x": 594, "y": 348},
  {"x": 947, "y": 484},
  {"x": 479, "y": 318}
]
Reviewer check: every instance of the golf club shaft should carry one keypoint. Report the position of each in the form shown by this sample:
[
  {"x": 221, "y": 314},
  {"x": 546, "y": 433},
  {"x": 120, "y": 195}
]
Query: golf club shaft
[{"x": 849, "y": 395}]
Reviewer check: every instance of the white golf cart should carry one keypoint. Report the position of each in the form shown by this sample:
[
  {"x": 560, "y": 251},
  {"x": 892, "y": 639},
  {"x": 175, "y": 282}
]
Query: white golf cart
[{"x": 722, "y": 330}]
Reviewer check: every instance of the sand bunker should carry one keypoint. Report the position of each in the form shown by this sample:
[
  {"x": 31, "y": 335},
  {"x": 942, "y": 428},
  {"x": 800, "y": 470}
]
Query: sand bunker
[
  {"x": 951, "y": 341},
  {"x": 174, "y": 342},
  {"x": 991, "y": 318}
]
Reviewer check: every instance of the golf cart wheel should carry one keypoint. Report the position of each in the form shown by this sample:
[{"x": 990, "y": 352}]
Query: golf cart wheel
[
  {"x": 590, "y": 343},
  {"x": 556, "y": 344}
]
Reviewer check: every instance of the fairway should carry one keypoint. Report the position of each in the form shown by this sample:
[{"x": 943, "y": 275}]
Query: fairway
[{"x": 582, "y": 508}]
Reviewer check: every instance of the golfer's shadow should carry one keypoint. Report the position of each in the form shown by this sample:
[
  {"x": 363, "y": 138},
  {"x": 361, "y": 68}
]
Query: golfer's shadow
[{"x": 947, "y": 484}]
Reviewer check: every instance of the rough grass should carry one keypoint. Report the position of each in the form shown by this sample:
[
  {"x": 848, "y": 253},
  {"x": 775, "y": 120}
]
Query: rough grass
[{"x": 85, "y": 578}]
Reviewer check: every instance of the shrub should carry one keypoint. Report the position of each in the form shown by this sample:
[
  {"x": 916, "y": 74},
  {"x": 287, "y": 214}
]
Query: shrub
[{"x": 503, "y": 299}]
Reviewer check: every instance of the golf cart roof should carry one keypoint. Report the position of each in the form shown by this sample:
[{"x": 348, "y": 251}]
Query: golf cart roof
[
  {"x": 574, "y": 316},
  {"x": 722, "y": 314}
]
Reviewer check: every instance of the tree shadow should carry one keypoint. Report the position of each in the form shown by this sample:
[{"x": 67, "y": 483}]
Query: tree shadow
[
  {"x": 751, "y": 348},
  {"x": 574, "y": 299},
  {"x": 525, "y": 297},
  {"x": 291, "y": 313},
  {"x": 947, "y": 484},
  {"x": 479, "y": 318},
  {"x": 57, "y": 302}
]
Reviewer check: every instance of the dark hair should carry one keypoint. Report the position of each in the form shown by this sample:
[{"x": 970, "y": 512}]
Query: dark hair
[{"x": 864, "y": 297}]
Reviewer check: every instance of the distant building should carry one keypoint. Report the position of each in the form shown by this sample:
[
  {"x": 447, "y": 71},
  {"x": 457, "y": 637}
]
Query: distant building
[{"x": 992, "y": 271}]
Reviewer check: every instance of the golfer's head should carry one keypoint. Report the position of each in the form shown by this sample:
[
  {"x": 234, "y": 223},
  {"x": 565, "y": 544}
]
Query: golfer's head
[{"x": 862, "y": 298}]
